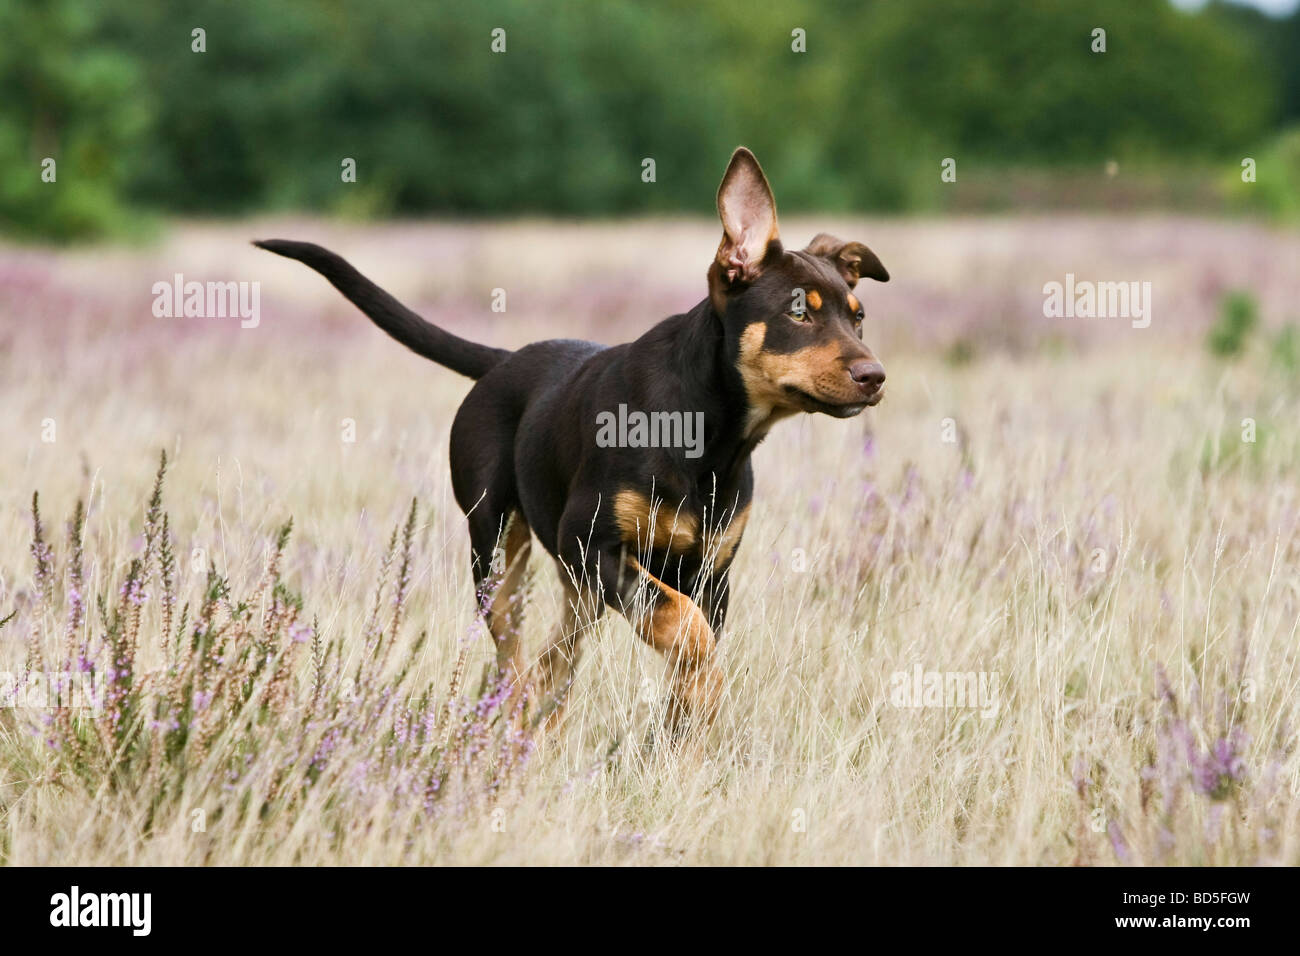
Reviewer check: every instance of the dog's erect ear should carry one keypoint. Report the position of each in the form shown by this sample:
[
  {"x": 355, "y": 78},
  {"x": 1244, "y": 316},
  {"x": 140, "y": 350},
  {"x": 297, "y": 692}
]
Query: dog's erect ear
[
  {"x": 854, "y": 260},
  {"x": 748, "y": 214}
]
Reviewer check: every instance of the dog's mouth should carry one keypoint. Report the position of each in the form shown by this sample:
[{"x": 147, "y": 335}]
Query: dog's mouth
[{"x": 810, "y": 403}]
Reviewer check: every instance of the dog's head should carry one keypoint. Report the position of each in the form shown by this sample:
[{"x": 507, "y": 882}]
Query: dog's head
[{"x": 791, "y": 317}]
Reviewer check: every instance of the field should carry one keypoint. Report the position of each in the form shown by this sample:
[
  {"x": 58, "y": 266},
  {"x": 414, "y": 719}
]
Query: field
[{"x": 1071, "y": 515}]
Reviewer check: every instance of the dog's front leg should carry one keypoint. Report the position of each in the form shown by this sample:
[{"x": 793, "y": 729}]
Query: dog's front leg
[
  {"x": 665, "y": 618},
  {"x": 673, "y": 624},
  {"x": 715, "y": 598}
]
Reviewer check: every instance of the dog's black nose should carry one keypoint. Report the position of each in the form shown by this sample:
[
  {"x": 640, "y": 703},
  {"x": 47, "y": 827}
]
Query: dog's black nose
[{"x": 870, "y": 375}]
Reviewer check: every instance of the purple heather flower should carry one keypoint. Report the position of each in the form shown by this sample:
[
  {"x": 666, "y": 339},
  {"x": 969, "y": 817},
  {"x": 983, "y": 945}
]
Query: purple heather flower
[
  {"x": 1117, "y": 841},
  {"x": 1081, "y": 779},
  {"x": 133, "y": 591}
]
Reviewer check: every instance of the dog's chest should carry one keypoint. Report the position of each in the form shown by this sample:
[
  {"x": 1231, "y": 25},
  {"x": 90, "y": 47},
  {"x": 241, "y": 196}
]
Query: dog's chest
[{"x": 683, "y": 527}]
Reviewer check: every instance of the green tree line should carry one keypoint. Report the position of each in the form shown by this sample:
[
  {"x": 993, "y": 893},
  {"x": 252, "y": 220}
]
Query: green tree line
[{"x": 138, "y": 121}]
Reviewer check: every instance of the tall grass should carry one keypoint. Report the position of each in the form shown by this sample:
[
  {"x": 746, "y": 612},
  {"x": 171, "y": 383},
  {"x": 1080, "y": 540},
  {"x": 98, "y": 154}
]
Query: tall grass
[
  {"x": 226, "y": 699},
  {"x": 1095, "y": 532}
]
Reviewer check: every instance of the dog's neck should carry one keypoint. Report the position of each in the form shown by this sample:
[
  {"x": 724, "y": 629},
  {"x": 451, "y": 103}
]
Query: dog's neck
[{"x": 710, "y": 380}]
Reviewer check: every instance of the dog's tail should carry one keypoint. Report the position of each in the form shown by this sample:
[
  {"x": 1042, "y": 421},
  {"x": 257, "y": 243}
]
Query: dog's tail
[{"x": 421, "y": 337}]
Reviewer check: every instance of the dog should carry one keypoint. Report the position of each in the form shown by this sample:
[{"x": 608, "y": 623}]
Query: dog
[{"x": 649, "y": 531}]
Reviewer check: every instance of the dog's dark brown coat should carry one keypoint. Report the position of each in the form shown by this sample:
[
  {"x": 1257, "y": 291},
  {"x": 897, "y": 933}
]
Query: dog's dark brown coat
[{"x": 650, "y": 531}]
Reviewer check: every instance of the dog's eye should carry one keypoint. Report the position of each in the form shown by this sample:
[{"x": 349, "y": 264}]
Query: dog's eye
[
  {"x": 801, "y": 316},
  {"x": 860, "y": 316}
]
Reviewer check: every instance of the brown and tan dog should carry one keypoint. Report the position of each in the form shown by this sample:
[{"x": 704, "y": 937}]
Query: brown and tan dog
[{"x": 649, "y": 527}]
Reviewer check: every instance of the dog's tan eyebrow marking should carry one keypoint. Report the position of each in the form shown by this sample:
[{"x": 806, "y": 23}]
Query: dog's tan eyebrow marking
[
  {"x": 854, "y": 304},
  {"x": 814, "y": 299}
]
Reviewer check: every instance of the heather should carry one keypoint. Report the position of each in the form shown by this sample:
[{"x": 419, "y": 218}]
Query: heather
[{"x": 284, "y": 630}]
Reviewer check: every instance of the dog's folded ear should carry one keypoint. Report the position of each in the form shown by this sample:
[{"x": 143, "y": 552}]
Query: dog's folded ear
[
  {"x": 853, "y": 260},
  {"x": 748, "y": 214}
]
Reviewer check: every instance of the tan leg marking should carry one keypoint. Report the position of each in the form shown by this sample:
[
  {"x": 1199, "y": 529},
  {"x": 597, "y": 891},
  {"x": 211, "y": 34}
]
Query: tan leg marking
[
  {"x": 644, "y": 524},
  {"x": 556, "y": 666},
  {"x": 677, "y": 628},
  {"x": 730, "y": 538},
  {"x": 505, "y": 615}
]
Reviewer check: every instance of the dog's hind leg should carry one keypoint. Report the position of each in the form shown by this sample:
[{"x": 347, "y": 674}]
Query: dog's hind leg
[
  {"x": 555, "y": 668},
  {"x": 500, "y": 553}
]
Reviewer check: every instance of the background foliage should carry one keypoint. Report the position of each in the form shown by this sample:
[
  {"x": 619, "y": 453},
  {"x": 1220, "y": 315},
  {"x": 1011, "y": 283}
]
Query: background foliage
[{"x": 559, "y": 124}]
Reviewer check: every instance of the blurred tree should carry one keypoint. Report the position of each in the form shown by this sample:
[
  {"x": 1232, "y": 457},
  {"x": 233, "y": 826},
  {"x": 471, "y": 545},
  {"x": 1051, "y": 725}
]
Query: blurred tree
[
  {"x": 68, "y": 97},
  {"x": 586, "y": 89}
]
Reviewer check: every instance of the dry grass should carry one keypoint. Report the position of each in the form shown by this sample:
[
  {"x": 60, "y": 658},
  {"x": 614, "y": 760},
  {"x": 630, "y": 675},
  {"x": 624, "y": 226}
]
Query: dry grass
[{"x": 1097, "y": 523}]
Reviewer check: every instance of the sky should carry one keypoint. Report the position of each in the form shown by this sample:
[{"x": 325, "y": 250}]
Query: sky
[{"x": 1279, "y": 8}]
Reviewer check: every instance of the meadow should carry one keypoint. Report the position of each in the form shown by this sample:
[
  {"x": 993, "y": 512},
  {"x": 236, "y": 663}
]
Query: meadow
[{"x": 1093, "y": 523}]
